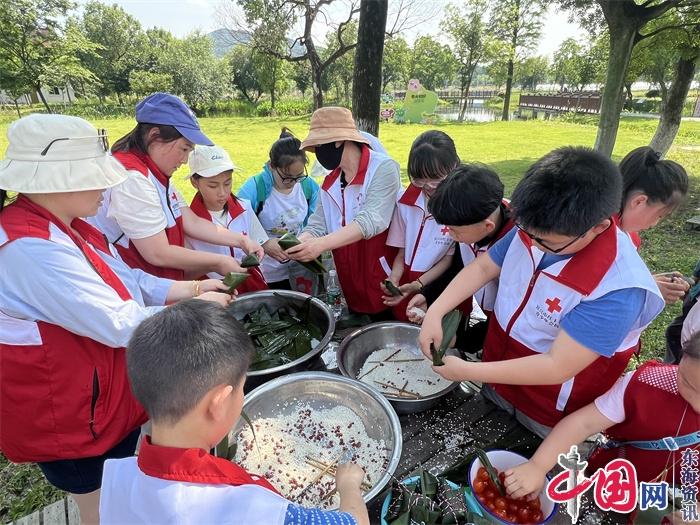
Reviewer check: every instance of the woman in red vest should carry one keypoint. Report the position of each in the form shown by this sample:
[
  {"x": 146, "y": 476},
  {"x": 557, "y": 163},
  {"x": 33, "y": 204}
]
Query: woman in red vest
[
  {"x": 68, "y": 306},
  {"x": 146, "y": 218},
  {"x": 354, "y": 211}
]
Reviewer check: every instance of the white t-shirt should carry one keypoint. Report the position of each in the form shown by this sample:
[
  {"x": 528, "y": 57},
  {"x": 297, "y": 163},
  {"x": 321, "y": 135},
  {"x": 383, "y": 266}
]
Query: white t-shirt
[
  {"x": 281, "y": 214},
  {"x": 137, "y": 208},
  {"x": 612, "y": 403},
  {"x": 256, "y": 231}
]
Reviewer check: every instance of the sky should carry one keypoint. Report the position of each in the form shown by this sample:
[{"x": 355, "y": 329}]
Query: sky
[{"x": 181, "y": 17}]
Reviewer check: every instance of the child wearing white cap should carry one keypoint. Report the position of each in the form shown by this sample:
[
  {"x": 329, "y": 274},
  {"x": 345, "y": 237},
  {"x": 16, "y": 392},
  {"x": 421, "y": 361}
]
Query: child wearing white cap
[
  {"x": 211, "y": 174},
  {"x": 68, "y": 306}
]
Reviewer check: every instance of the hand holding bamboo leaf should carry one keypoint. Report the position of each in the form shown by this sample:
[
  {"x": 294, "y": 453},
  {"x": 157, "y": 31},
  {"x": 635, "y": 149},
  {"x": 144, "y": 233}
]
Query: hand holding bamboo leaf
[{"x": 450, "y": 324}]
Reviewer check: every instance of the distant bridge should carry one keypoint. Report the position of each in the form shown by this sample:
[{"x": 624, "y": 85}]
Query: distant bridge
[
  {"x": 588, "y": 103},
  {"x": 456, "y": 95}
]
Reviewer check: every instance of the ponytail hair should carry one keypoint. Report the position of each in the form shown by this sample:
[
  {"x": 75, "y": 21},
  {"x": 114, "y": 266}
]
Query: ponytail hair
[
  {"x": 286, "y": 150},
  {"x": 662, "y": 181}
]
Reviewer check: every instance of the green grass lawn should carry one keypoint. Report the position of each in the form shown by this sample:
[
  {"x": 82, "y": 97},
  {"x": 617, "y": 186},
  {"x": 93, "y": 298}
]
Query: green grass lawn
[{"x": 508, "y": 147}]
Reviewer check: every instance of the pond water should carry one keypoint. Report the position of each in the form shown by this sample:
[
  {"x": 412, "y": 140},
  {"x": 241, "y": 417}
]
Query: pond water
[{"x": 475, "y": 113}]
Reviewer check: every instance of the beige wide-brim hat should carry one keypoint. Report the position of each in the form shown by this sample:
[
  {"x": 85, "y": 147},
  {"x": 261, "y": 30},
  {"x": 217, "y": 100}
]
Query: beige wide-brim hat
[
  {"x": 57, "y": 154},
  {"x": 331, "y": 124}
]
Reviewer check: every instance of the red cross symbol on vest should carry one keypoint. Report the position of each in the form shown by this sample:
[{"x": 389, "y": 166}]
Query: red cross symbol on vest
[
  {"x": 444, "y": 230},
  {"x": 304, "y": 285},
  {"x": 553, "y": 305},
  {"x": 173, "y": 196}
]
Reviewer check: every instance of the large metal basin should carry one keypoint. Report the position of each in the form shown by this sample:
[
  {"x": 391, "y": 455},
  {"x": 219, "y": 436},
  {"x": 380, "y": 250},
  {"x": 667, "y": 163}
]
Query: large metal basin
[
  {"x": 323, "y": 390},
  {"x": 357, "y": 347},
  {"x": 319, "y": 313}
]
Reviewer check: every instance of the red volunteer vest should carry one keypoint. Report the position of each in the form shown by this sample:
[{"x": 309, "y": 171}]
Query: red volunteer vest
[
  {"x": 67, "y": 397},
  {"x": 653, "y": 410},
  {"x": 256, "y": 281},
  {"x": 194, "y": 465},
  {"x": 175, "y": 233},
  {"x": 582, "y": 274},
  {"x": 409, "y": 198},
  {"x": 358, "y": 265}
]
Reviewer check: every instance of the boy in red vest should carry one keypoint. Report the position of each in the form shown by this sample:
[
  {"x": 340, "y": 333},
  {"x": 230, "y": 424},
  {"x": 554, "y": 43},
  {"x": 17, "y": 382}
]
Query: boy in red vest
[
  {"x": 650, "y": 416},
  {"x": 573, "y": 294},
  {"x": 187, "y": 367}
]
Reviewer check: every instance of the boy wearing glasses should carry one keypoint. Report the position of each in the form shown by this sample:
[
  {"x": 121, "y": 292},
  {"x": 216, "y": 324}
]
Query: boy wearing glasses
[{"x": 573, "y": 296}]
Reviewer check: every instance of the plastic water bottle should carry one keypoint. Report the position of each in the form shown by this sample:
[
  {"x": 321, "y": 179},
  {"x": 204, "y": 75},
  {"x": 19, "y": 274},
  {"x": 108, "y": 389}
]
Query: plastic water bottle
[{"x": 333, "y": 294}]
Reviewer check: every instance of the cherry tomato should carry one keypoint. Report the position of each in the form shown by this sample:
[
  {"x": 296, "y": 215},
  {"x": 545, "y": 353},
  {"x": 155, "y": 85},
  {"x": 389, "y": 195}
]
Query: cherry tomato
[
  {"x": 501, "y": 513},
  {"x": 482, "y": 474},
  {"x": 480, "y": 487},
  {"x": 502, "y": 476},
  {"x": 490, "y": 505},
  {"x": 500, "y": 503},
  {"x": 489, "y": 494},
  {"x": 512, "y": 507},
  {"x": 512, "y": 518},
  {"x": 524, "y": 515},
  {"x": 534, "y": 504},
  {"x": 536, "y": 517}
]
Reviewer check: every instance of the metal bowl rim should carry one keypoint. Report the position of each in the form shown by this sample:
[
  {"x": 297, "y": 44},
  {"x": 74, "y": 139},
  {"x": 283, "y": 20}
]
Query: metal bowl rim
[
  {"x": 341, "y": 365},
  {"x": 309, "y": 355},
  {"x": 373, "y": 393}
]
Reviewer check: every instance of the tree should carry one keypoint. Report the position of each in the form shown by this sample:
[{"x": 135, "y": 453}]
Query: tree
[
  {"x": 531, "y": 72},
  {"x": 467, "y": 32},
  {"x": 396, "y": 63},
  {"x": 626, "y": 21},
  {"x": 518, "y": 24},
  {"x": 433, "y": 63},
  {"x": 340, "y": 73},
  {"x": 120, "y": 38},
  {"x": 244, "y": 76},
  {"x": 301, "y": 74},
  {"x": 33, "y": 44},
  {"x": 144, "y": 83},
  {"x": 367, "y": 78},
  {"x": 198, "y": 76}
]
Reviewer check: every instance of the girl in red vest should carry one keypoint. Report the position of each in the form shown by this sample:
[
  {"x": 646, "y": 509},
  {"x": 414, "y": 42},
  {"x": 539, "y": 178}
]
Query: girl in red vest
[
  {"x": 425, "y": 247},
  {"x": 68, "y": 306},
  {"x": 146, "y": 218},
  {"x": 652, "y": 189},
  {"x": 650, "y": 417},
  {"x": 353, "y": 214},
  {"x": 211, "y": 174}
]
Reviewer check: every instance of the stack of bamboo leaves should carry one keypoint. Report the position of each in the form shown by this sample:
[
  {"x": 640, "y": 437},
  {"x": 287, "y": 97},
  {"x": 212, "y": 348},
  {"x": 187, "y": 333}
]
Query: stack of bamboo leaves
[{"x": 281, "y": 336}]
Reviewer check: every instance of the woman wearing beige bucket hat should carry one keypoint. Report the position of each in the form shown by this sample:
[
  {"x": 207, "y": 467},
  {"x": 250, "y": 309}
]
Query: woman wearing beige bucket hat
[
  {"x": 146, "y": 218},
  {"x": 355, "y": 208},
  {"x": 68, "y": 306}
]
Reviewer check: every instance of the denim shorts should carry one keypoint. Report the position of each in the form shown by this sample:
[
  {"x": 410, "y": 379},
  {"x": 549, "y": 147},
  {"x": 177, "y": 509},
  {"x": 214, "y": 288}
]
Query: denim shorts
[{"x": 80, "y": 476}]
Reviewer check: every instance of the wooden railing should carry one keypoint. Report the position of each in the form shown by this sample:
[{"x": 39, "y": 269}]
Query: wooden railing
[{"x": 562, "y": 102}]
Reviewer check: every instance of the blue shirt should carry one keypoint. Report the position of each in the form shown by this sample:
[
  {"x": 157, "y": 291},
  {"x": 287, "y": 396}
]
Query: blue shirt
[
  {"x": 297, "y": 515},
  {"x": 589, "y": 323}
]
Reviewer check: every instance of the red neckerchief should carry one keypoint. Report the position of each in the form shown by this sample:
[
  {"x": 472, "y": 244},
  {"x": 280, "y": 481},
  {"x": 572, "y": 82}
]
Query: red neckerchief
[
  {"x": 86, "y": 233},
  {"x": 410, "y": 196},
  {"x": 234, "y": 207},
  {"x": 361, "y": 171},
  {"x": 193, "y": 465},
  {"x": 135, "y": 160}
]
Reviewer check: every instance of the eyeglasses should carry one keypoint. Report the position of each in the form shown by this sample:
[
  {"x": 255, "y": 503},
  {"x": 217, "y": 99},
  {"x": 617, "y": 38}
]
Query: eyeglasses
[
  {"x": 287, "y": 179},
  {"x": 426, "y": 184},
  {"x": 101, "y": 135},
  {"x": 539, "y": 240}
]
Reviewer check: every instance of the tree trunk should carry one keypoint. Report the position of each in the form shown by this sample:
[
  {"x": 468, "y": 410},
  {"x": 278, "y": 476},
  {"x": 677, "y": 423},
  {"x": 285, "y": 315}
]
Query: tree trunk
[
  {"x": 316, "y": 87},
  {"x": 17, "y": 108},
  {"x": 628, "y": 91},
  {"x": 509, "y": 86},
  {"x": 367, "y": 77},
  {"x": 622, "y": 36},
  {"x": 672, "y": 107},
  {"x": 43, "y": 99},
  {"x": 274, "y": 85},
  {"x": 70, "y": 100}
]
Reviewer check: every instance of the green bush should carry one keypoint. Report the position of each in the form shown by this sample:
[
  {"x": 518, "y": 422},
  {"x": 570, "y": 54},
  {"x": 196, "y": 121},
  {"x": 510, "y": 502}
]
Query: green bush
[{"x": 284, "y": 108}]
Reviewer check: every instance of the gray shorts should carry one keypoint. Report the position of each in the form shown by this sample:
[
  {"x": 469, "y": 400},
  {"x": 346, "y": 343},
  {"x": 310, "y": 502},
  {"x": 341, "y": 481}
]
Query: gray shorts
[{"x": 537, "y": 428}]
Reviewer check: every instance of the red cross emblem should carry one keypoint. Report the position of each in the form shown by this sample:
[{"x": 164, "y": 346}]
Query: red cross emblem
[
  {"x": 304, "y": 285},
  {"x": 444, "y": 230},
  {"x": 553, "y": 305},
  {"x": 174, "y": 196}
]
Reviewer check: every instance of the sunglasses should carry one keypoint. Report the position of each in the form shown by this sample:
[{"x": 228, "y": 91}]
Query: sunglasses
[
  {"x": 101, "y": 135},
  {"x": 298, "y": 178},
  {"x": 544, "y": 245},
  {"x": 426, "y": 184}
]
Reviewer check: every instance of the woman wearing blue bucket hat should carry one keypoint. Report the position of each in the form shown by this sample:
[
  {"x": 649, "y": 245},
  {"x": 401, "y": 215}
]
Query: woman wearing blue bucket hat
[{"x": 146, "y": 218}]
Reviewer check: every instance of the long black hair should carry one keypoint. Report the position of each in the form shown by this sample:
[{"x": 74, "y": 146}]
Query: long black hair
[
  {"x": 433, "y": 155},
  {"x": 5, "y": 199},
  {"x": 662, "y": 181},
  {"x": 137, "y": 138}
]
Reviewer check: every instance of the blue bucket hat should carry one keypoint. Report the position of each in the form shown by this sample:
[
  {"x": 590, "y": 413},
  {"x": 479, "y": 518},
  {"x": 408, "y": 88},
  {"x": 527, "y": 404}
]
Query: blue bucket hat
[{"x": 169, "y": 110}]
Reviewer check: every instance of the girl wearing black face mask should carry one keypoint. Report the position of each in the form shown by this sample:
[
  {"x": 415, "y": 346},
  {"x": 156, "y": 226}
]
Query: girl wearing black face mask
[{"x": 354, "y": 210}]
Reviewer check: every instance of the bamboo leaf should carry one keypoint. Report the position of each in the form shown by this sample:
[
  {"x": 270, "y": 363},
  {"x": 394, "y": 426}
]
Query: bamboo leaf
[
  {"x": 484, "y": 458},
  {"x": 450, "y": 324},
  {"x": 393, "y": 290},
  {"x": 233, "y": 280},
  {"x": 428, "y": 483},
  {"x": 250, "y": 261},
  {"x": 288, "y": 240}
]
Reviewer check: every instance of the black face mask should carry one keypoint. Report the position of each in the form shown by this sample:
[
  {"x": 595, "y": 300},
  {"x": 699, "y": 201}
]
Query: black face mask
[{"x": 329, "y": 156}]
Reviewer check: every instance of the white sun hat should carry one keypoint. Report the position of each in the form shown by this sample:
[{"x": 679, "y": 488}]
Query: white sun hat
[
  {"x": 209, "y": 161},
  {"x": 57, "y": 154}
]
